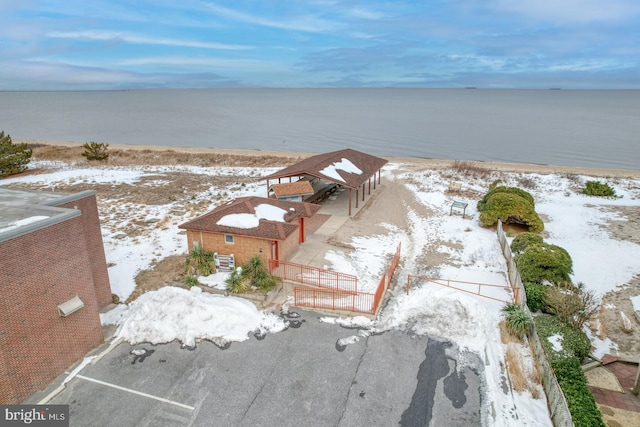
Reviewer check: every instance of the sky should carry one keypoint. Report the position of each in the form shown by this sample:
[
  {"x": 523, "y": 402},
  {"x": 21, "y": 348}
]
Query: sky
[{"x": 122, "y": 44}]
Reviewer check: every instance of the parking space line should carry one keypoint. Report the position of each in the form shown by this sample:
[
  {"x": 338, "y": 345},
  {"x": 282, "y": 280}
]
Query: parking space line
[{"x": 128, "y": 390}]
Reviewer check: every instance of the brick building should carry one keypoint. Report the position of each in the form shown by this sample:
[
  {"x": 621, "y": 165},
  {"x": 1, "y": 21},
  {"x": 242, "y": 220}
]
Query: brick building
[
  {"x": 250, "y": 226},
  {"x": 53, "y": 283}
]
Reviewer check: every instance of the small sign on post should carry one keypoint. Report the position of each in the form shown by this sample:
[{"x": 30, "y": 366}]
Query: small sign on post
[{"x": 459, "y": 205}]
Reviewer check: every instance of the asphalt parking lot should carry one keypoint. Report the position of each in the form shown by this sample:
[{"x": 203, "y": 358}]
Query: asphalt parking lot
[{"x": 296, "y": 377}]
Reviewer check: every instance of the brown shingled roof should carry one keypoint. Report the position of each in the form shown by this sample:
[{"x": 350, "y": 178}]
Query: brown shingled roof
[
  {"x": 266, "y": 229},
  {"x": 369, "y": 165},
  {"x": 298, "y": 188}
]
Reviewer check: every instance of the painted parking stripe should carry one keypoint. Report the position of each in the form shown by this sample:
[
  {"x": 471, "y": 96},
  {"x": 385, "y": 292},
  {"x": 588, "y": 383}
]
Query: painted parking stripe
[{"x": 139, "y": 393}]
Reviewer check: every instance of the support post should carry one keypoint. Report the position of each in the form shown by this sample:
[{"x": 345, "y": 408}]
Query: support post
[{"x": 636, "y": 384}]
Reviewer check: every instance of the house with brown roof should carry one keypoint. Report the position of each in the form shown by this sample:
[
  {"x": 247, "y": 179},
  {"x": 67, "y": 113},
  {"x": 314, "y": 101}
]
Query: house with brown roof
[
  {"x": 351, "y": 169},
  {"x": 251, "y": 226}
]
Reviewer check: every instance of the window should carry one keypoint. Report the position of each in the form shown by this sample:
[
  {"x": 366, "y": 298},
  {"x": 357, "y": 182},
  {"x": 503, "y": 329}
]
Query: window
[{"x": 228, "y": 238}]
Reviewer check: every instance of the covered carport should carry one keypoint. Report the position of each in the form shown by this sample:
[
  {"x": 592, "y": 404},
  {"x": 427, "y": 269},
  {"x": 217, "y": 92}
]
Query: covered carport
[{"x": 356, "y": 171}]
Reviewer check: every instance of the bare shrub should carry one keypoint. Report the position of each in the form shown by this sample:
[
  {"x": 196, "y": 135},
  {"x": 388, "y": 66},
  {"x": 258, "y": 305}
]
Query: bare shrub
[
  {"x": 527, "y": 182},
  {"x": 472, "y": 169},
  {"x": 574, "y": 178},
  {"x": 572, "y": 304}
]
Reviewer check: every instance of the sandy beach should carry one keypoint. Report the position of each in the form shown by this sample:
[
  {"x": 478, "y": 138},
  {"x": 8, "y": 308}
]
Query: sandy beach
[{"x": 432, "y": 163}]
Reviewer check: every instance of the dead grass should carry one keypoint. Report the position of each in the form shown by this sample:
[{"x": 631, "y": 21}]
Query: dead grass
[
  {"x": 506, "y": 335},
  {"x": 520, "y": 379},
  {"x": 123, "y": 157},
  {"x": 516, "y": 368},
  {"x": 466, "y": 168},
  {"x": 169, "y": 271}
]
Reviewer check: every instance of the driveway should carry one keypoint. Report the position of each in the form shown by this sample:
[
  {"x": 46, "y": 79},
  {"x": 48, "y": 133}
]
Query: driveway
[{"x": 300, "y": 376}]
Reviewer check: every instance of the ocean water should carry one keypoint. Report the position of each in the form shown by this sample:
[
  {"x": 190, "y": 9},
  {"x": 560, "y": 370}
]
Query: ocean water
[{"x": 592, "y": 128}]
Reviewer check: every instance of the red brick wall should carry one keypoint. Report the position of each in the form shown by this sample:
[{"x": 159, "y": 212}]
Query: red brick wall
[
  {"x": 243, "y": 248},
  {"x": 38, "y": 271},
  {"x": 95, "y": 246}
]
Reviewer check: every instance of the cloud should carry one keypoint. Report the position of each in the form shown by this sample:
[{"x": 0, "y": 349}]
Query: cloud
[
  {"x": 249, "y": 64},
  {"x": 138, "y": 39},
  {"x": 63, "y": 76},
  {"x": 572, "y": 11},
  {"x": 305, "y": 22}
]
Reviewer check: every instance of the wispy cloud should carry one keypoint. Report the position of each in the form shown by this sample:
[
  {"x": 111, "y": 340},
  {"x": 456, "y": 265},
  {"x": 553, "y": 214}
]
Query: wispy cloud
[
  {"x": 497, "y": 43},
  {"x": 573, "y": 11},
  {"x": 138, "y": 39},
  {"x": 208, "y": 62}
]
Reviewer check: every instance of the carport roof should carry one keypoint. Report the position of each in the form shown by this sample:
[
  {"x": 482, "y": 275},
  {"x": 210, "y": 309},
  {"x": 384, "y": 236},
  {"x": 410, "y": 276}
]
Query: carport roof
[{"x": 347, "y": 167}]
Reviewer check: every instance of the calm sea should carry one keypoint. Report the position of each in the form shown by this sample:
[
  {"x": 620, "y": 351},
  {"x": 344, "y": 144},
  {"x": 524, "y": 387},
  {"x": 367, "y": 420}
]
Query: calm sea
[{"x": 593, "y": 128}]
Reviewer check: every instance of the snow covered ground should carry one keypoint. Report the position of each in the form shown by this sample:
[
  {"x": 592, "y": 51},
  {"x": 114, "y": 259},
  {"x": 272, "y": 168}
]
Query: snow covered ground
[{"x": 571, "y": 220}]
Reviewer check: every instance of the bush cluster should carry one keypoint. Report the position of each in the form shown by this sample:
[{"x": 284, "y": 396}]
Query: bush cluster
[
  {"x": 545, "y": 270},
  {"x": 566, "y": 365},
  {"x": 598, "y": 189},
  {"x": 511, "y": 205},
  {"x": 200, "y": 262},
  {"x": 252, "y": 274}
]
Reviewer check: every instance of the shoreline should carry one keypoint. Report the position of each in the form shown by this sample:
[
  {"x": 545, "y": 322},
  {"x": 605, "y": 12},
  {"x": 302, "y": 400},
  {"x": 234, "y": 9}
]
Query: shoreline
[{"x": 434, "y": 163}]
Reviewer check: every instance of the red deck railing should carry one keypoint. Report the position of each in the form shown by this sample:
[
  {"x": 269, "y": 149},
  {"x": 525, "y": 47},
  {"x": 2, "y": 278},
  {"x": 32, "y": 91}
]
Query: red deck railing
[
  {"x": 474, "y": 288},
  {"x": 314, "y": 276},
  {"x": 339, "y": 299}
]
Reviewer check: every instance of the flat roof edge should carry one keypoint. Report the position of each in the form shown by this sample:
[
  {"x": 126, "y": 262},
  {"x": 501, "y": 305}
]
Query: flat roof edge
[
  {"x": 61, "y": 215},
  {"x": 72, "y": 197}
]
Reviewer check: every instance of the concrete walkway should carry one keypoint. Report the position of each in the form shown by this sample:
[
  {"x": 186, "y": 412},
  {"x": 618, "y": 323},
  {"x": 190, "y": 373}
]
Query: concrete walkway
[
  {"x": 313, "y": 250},
  {"x": 611, "y": 386}
]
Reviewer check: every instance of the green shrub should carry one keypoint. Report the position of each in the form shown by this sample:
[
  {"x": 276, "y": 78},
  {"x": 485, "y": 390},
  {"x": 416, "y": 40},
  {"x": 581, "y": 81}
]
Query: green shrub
[
  {"x": 252, "y": 273},
  {"x": 518, "y": 321},
  {"x": 14, "y": 158},
  {"x": 510, "y": 209},
  {"x": 509, "y": 190},
  {"x": 265, "y": 281},
  {"x": 522, "y": 240},
  {"x": 95, "y": 151},
  {"x": 190, "y": 281},
  {"x": 535, "y": 296},
  {"x": 575, "y": 343},
  {"x": 544, "y": 262},
  {"x": 235, "y": 283},
  {"x": 200, "y": 262},
  {"x": 582, "y": 406},
  {"x": 597, "y": 188}
]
